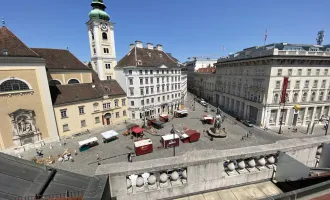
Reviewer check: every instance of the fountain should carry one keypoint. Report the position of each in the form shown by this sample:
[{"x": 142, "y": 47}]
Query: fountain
[{"x": 216, "y": 130}]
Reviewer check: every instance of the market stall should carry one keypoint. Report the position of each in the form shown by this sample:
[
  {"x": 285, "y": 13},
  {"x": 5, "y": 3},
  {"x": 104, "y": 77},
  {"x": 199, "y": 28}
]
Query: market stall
[
  {"x": 150, "y": 121},
  {"x": 86, "y": 144},
  {"x": 181, "y": 113},
  {"x": 109, "y": 136},
  {"x": 171, "y": 140},
  {"x": 208, "y": 119},
  {"x": 163, "y": 118},
  {"x": 143, "y": 146},
  {"x": 157, "y": 125},
  {"x": 190, "y": 136},
  {"x": 137, "y": 131}
]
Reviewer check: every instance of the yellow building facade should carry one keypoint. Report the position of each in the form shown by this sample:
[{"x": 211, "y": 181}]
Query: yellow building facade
[
  {"x": 89, "y": 115},
  {"x": 26, "y": 112},
  {"x": 46, "y": 94}
]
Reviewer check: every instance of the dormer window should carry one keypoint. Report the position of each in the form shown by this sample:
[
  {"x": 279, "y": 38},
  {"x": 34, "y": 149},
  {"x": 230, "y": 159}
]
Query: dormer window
[
  {"x": 328, "y": 49},
  {"x": 139, "y": 62},
  {"x": 149, "y": 54},
  {"x": 160, "y": 55}
]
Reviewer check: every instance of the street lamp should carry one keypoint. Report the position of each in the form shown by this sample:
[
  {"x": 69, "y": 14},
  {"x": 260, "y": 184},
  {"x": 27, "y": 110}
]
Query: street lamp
[{"x": 173, "y": 132}]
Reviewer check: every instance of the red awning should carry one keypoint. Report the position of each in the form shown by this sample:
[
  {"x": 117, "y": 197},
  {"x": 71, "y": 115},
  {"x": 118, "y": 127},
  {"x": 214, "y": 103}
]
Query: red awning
[
  {"x": 191, "y": 132},
  {"x": 137, "y": 130}
]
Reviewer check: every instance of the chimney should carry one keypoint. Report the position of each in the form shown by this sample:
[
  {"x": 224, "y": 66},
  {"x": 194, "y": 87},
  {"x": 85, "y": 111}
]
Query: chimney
[
  {"x": 159, "y": 47},
  {"x": 131, "y": 46},
  {"x": 138, "y": 44},
  {"x": 150, "y": 45}
]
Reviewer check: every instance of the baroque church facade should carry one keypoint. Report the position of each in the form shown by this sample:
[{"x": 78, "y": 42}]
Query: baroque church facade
[{"x": 47, "y": 94}]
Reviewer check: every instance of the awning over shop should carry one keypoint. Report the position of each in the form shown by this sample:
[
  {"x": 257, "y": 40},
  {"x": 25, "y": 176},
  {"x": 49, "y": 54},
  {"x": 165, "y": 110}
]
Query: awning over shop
[
  {"x": 137, "y": 130},
  {"x": 109, "y": 134}
]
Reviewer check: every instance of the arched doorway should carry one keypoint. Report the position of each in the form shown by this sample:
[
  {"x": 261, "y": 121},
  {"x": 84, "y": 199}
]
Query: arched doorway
[{"x": 107, "y": 117}]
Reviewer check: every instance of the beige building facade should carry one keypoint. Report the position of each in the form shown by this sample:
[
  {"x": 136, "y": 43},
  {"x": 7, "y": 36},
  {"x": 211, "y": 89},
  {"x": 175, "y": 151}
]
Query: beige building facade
[
  {"x": 88, "y": 115},
  {"x": 26, "y": 113}
]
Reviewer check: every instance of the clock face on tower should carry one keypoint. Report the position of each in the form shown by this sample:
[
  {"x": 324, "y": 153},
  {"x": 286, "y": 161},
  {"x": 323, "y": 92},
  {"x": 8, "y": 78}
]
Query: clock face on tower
[{"x": 104, "y": 27}]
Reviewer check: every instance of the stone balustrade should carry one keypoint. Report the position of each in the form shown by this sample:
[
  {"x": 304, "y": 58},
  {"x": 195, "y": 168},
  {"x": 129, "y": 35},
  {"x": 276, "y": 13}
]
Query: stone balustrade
[{"x": 204, "y": 170}]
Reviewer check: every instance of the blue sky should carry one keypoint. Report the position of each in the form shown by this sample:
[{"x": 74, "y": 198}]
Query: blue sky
[{"x": 186, "y": 28}]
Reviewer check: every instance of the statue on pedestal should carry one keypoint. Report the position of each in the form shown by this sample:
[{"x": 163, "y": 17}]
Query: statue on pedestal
[{"x": 216, "y": 131}]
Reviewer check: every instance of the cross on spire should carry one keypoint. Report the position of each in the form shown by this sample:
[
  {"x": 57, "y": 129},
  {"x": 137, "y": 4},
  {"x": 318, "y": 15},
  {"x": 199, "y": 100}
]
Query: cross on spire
[{"x": 3, "y": 22}]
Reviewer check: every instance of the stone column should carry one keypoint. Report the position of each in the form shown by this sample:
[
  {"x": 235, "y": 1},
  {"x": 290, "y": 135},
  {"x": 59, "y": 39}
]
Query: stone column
[
  {"x": 313, "y": 115},
  {"x": 287, "y": 116},
  {"x": 278, "y": 116},
  {"x": 304, "y": 118}
]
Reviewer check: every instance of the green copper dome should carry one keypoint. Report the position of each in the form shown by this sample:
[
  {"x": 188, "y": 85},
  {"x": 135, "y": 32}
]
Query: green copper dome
[{"x": 98, "y": 11}]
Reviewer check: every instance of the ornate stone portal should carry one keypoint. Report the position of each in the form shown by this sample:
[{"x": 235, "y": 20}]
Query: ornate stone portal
[
  {"x": 216, "y": 130},
  {"x": 24, "y": 127}
]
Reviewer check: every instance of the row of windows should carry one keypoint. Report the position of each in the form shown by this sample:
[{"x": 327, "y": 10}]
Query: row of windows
[
  {"x": 304, "y": 97},
  {"x": 309, "y": 72},
  {"x": 146, "y": 72},
  {"x": 152, "y": 100},
  {"x": 146, "y": 80},
  {"x": 306, "y": 84},
  {"x": 146, "y": 90},
  {"x": 96, "y": 121},
  {"x": 106, "y": 106},
  {"x": 57, "y": 82},
  {"x": 105, "y": 50},
  {"x": 104, "y": 36}
]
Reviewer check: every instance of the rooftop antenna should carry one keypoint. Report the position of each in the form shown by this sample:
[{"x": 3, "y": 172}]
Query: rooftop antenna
[
  {"x": 3, "y": 22},
  {"x": 320, "y": 36}
]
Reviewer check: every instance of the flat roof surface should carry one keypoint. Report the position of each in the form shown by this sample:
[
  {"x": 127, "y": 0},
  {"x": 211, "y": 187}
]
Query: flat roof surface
[{"x": 247, "y": 192}]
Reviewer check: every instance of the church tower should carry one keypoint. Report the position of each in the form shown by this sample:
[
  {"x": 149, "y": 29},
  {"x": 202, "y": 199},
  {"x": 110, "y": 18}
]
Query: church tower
[{"x": 101, "y": 41}]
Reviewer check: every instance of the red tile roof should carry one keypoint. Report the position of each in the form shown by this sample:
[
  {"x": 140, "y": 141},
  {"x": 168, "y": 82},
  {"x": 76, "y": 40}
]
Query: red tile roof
[
  {"x": 60, "y": 59},
  {"x": 207, "y": 70},
  {"x": 72, "y": 93},
  {"x": 148, "y": 58},
  {"x": 14, "y": 46}
]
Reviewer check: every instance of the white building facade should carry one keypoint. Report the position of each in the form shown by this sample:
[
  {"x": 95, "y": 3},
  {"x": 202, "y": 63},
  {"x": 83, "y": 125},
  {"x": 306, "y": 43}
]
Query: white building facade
[
  {"x": 152, "y": 80},
  {"x": 193, "y": 66},
  {"x": 101, "y": 41},
  {"x": 249, "y": 84}
]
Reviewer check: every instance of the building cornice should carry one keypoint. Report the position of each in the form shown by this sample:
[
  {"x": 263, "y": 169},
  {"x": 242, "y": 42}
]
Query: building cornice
[{"x": 19, "y": 60}]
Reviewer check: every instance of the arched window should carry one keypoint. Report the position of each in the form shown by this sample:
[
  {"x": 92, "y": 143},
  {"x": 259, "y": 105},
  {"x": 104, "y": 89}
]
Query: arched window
[
  {"x": 313, "y": 96},
  {"x": 13, "y": 85},
  {"x": 104, "y": 36},
  {"x": 276, "y": 98},
  {"x": 321, "y": 96},
  {"x": 328, "y": 97},
  {"x": 73, "y": 81},
  {"x": 92, "y": 35},
  {"x": 54, "y": 82},
  {"x": 304, "y": 97},
  {"x": 295, "y": 97}
]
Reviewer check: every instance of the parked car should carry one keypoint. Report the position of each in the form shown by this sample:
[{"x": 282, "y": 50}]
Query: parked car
[
  {"x": 203, "y": 103},
  {"x": 247, "y": 123},
  {"x": 238, "y": 119}
]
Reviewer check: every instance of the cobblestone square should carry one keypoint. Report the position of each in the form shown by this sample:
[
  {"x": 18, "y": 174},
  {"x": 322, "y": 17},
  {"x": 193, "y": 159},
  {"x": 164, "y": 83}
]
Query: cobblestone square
[{"x": 116, "y": 151}]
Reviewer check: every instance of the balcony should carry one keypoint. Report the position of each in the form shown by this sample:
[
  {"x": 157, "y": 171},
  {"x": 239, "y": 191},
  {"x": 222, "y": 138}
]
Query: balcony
[{"x": 197, "y": 172}]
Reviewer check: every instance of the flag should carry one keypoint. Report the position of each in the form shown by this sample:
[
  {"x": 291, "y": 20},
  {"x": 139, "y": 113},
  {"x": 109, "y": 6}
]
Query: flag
[
  {"x": 266, "y": 35},
  {"x": 284, "y": 87}
]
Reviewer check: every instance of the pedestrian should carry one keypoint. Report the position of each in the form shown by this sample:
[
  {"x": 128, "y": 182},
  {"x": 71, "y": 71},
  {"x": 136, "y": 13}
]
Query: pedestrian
[
  {"x": 129, "y": 157},
  {"x": 75, "y": 152},
  {"x": 97, "y": 156}
]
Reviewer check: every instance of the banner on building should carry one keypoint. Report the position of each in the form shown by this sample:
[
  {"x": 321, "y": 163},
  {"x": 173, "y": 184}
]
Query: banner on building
[{"x": 284, "y": 87}]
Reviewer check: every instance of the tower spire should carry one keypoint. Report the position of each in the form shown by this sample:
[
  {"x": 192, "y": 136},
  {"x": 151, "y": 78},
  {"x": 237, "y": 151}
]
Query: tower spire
[{"x": 98, "y": 11}]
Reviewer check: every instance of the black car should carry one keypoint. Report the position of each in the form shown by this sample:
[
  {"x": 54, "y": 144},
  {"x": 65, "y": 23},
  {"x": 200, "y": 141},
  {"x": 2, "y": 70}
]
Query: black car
[{"x": 239, "y": 119}]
